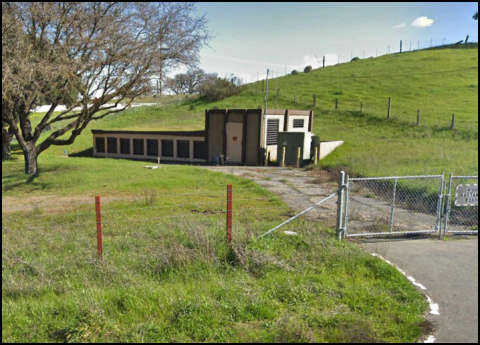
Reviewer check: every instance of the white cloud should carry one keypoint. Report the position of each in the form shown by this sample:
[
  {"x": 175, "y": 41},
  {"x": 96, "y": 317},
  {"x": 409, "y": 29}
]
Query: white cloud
[
  {"x": 400, "y": 26},
  {"x": 423, "y": 22}
]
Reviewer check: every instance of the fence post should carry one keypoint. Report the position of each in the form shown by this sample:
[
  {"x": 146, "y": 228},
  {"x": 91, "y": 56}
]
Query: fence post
[
  {"x": 314, "y": 100},
  {"x": 361, "y": 107},
  {"x": 392, "y": 214},
  {"x": 336, "y": 104},
  {"x": 454, "y": 121},
  {"x": 229, "y": 214},
  {"x": 418, "y": 118},
  {"x": 389, "y": 107},
  {"x": 283, "y": 156},
  {"x": 98, "y": 207},
  {"x": 440, "y": 204},
  {"x": 341, "y": 194},
  {"x": 315, "y": 159},
  {"x": 448, "y": 206}
]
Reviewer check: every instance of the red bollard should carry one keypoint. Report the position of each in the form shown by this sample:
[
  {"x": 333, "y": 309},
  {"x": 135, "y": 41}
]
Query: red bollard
[
  {"x": 229, "y": 214},
  {"x": 99, "y": 228}
]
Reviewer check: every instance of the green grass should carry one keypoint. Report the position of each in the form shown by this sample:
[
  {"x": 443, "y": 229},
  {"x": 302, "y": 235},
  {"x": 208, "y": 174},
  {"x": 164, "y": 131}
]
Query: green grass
[{"x": 168, "y": 275}]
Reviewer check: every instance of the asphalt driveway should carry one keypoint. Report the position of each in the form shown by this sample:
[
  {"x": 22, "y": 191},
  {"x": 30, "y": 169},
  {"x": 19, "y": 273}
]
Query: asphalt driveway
[{"x": 449, "y": 270}]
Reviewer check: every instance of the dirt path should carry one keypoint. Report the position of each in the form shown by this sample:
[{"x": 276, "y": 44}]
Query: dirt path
[
  {"x": 297, "y": 188},
  {"x": 54, "y": 204},
  {"x": 300, "y": 189}
]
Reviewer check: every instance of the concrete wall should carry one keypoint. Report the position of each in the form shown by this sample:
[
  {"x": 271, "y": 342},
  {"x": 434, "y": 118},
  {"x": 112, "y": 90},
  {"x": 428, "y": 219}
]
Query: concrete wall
[
  {"x": 252, "y": 154},
  {"x": 327, "y": 147},
  {"x": 145, "y": 156},
  {"x": 215, "y": 134},
  {"x": 216, "y": 121}
]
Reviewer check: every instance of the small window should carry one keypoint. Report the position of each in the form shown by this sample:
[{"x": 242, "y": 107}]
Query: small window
[
  {"x": 183, "y": 149},
  {"x": 125, "y": 146},
  {"x": 167, "y": 148},
  {"x": 100, "y": 143},
  {"x": 273, "y": 127},
  {"x": 152, "y": 147},
  {"x": 199, "y": 150},
  {"x": 138, "y": 147},
  {"x": 298, "y": 123},
  {"x": 112, "y": 145}
]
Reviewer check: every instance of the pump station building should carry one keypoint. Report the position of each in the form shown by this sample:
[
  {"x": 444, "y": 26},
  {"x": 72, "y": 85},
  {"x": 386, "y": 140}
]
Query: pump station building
[{"x": 236, "y": 136}]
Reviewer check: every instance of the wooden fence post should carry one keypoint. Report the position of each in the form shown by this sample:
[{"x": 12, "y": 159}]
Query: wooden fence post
[
  {"x": 98, "y": 207},
  {"x": 336, "y": 104},
  {"x": 389, "y": 107},
  {"x": 418, "y": 118},
  {"x": 454, "y": 121},
  {"x": 314, "y": 101},
  {"x": 229, "y": 214},
  {"x": 283, "y": 156}
]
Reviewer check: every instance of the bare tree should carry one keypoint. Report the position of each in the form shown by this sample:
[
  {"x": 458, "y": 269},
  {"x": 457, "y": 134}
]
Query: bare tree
[
  {"x": 186, "y": 83},
  {"x": 90, "y": 56}
]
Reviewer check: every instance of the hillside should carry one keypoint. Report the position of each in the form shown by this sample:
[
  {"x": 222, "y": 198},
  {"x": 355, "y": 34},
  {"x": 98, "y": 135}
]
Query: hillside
[{"x": 439, "y": 83}]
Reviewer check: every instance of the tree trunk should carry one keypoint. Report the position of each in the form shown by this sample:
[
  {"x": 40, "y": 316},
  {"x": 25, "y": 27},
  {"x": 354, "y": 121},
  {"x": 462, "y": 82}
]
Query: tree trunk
[
  {"x": 6, "y": 144},
  {"x": 31, "y": 159}
]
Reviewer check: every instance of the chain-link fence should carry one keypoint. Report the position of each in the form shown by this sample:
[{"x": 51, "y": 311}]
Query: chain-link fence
[
  {"x": 393, "y": 206},
  {"x": 462, "y": 205}
]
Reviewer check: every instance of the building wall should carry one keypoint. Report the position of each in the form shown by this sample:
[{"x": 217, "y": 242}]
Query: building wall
[
  {"x": 145, "y": 137},
  {"x": 287, "y": 119},
  {"x": 251, "y": 139},
  {"x": 215, "y": 134},
  {"x": 252, "y": 147}
]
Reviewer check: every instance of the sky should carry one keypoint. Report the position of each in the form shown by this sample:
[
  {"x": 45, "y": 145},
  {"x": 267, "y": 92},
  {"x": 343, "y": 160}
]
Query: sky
[{"x": 249, "y": 38}]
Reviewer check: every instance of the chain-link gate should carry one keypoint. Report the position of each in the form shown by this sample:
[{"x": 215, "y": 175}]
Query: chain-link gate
[
  {"x": 461, "y": 215},
  {"x": 392, "y": 206}
]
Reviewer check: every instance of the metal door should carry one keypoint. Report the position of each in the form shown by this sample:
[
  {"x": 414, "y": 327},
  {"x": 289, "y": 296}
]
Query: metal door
[{"x": 234, "y": 142}]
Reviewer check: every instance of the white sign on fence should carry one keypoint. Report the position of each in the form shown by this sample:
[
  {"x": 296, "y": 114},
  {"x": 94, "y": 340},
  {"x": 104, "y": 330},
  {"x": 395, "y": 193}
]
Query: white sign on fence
[{"x": 467, "y": 195}]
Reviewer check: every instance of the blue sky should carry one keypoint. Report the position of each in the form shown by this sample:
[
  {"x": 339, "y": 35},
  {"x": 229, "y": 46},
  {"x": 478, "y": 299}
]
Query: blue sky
[{"x": 251, "y": 37}]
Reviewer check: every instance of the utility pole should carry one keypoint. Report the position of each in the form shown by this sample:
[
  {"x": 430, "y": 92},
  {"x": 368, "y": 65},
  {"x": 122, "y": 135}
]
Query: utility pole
[{"x": 266, "y": 94}]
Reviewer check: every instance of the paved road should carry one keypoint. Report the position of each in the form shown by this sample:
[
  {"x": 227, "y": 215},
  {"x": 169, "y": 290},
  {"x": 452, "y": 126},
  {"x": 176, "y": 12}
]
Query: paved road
[{"x": 449, "y": 270}]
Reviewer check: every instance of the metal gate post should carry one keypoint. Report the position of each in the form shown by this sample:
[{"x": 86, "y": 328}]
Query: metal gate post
[
  {"x": 347, "y": 205},
  {"x": 341, "y": 194},
  {"x": 392, "y": 214},
  {"x": 448, "y": 207},
  {"x": 439, "y": 206}
]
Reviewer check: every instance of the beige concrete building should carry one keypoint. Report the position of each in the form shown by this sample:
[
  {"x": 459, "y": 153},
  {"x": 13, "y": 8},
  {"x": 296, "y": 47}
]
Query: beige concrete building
[{"x": 239, "y": 136}]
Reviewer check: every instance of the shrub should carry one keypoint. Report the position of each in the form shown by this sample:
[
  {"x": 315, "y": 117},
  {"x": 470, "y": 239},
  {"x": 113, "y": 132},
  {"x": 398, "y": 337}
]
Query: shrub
[
  {"x": 215, "y": 89},
  {"x": 294, "y": 72},
  {"x": 356, "y": 58},
  {"x": 308, "y": 69}
]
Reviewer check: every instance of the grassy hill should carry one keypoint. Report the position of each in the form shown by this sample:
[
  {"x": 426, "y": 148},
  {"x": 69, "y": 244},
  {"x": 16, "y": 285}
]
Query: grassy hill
[
  {"x": 168, "y": 274},
  {"x": 439, "y": 83}
]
